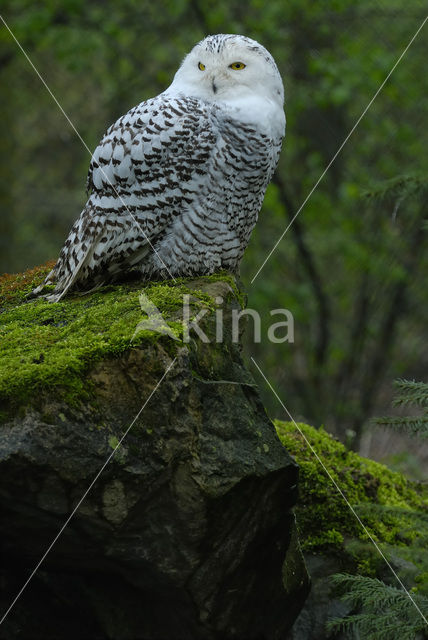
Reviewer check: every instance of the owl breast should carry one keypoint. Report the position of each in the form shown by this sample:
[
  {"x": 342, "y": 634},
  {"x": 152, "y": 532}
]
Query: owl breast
[
  {"x": 175, "y": 186},
  {"x": 213, "y": 225},
  {"x": 186, "y": 174}
]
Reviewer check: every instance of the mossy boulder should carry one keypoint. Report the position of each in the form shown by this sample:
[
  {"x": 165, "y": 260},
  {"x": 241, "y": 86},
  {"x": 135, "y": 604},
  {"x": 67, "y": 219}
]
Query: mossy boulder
[
  {"x": 333, "y": 539},
  {"x": 188, "y": 531},
  {"x": 47, "y": 347}
]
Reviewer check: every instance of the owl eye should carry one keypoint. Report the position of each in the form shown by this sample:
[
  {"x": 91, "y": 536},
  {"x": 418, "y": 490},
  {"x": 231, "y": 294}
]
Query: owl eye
[
  {"x": 201, "y": 66},
  {"x": 237, "y": 66}
]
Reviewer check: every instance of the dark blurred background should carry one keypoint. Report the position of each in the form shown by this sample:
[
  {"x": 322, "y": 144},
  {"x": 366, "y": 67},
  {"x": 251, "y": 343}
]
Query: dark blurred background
[{"x": 352, "y": 267}]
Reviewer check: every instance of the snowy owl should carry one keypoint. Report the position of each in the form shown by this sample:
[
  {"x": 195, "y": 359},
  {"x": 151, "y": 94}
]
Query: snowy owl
[{"x": 176, "y": 184}]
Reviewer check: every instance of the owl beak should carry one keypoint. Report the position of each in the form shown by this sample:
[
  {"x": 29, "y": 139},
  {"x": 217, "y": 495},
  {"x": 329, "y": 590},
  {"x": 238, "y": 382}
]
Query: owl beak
[{"x": 214, "y": 86}]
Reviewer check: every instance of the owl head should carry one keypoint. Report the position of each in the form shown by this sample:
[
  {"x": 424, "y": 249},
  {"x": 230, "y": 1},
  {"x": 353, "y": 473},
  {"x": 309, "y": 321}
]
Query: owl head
[{"x": 230, "y": 68}]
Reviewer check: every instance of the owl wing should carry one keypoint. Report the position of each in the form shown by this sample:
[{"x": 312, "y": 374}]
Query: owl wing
[
  {"x": 162, "y": 137},
  {"x": 149, "y": 164}
]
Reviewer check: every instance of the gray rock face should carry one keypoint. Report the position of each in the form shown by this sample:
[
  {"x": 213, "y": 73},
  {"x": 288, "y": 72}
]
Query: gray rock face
[
  {"x": 322, "y": 604},
  {"x": 184, "y": 534}
]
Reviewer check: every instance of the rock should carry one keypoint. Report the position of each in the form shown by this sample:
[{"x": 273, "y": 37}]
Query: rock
[
  {"x": 188, "y": 531},
  {"x": 322, "y": 603},
  {"x": 333, "y": 540}
]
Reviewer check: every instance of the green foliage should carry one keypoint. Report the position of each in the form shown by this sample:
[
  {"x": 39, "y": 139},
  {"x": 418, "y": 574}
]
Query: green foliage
[
  {"x": 414, "y": 426},
  {"x": 400, "y": 188},
  {"x": 389, "y": 613},
  {"x": 410, "y": 394}
]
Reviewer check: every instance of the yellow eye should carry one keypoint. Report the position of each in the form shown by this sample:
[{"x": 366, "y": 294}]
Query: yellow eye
[
  {"x": 201, "y": 66},
  {"x": 237, "y": 66}
]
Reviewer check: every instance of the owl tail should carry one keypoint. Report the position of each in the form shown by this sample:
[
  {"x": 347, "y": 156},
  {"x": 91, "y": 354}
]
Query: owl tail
[
  {"x": 83, "y": 264},
  {"x": 62, "y": 284},
  {"x": 73, "y": 260},
  {"x": 65, "y": 281}
]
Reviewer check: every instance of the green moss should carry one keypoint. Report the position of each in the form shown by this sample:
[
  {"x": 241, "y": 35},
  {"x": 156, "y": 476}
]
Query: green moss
[
  {"x": 326, "y": 521},
  {"x": 14, "y": 287},
  {"x": 45, "y": 345}
]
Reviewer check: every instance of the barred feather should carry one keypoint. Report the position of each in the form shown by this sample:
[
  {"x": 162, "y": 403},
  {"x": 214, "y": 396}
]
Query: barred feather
[{"x": 176, "y": 184}]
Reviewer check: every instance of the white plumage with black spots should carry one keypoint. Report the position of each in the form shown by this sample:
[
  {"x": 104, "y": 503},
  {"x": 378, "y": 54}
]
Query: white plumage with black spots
[{"x": 176, "y": 184}]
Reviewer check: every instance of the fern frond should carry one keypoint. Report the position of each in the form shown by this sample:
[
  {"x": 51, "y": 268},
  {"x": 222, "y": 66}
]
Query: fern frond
[
  {"x": 417, "y": 425},
  {"x": 386, "y": 610},
  {"x": 411, "y": 393},
  {"x": 375, "y": 628}
]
